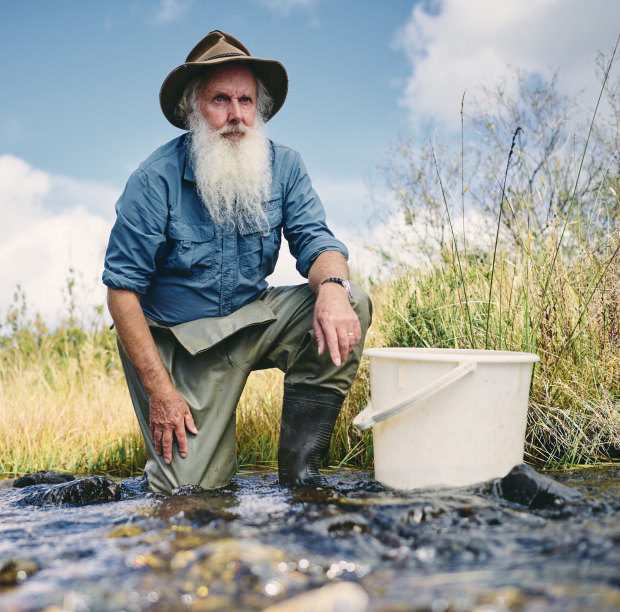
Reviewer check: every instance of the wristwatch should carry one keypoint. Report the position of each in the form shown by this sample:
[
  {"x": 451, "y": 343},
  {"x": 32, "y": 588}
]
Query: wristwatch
[{"x": 341, "y": 281}]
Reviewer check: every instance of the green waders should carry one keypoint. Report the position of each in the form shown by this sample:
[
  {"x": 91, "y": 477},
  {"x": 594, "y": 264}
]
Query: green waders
[{"x": 209, "y": 361}]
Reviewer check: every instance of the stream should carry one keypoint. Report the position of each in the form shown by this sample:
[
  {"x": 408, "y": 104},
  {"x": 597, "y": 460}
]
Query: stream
[{"x": 353, "y": 546}]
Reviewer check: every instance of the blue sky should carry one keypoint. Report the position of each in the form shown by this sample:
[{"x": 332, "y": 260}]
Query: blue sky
[
  {"x": 79, "y": 103},
  {"x": 85, "y": 78}
]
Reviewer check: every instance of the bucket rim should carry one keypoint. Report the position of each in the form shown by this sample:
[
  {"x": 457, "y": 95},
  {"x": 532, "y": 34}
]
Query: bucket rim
[{"x": 450, "y": 355}]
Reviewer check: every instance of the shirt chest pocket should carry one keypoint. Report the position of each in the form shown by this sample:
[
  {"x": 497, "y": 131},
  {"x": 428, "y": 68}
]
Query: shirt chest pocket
[
  {"x": 190, "y": 251},
  {"x": 258, "y": 252}
]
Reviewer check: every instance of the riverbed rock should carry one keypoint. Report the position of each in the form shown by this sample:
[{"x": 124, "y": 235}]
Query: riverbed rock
[
  {"x": 15, "y": 571},
  {"x": 338, "y": 596},
  {"x": 83, "y": 492},
  {"x": 42, "y": 477},
  {"x": 524, "y": 485}
]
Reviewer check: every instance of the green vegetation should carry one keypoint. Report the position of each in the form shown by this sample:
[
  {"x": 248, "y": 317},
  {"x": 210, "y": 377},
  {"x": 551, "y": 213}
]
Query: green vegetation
[
  {"x": 546, "y": 281},
  {"x": 65, "y": 405},
  {"x": 63, "y": 400}
]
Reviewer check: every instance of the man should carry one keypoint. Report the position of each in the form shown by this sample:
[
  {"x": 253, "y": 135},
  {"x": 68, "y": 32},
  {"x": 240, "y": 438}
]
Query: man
[{"x": 198, "y": 229}]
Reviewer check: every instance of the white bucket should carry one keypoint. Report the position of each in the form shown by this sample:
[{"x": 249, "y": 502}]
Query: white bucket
[{"x": 446, "y": 417}]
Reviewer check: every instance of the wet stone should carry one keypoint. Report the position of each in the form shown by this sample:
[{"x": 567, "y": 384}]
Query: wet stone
[
  {"x": 42, "y": 477},
  {"x": 337, "y": 596},
  {"x": 15, "y": 571},
  {"x": 524, "y": 485},
  {"x": 93, "y": 490}
]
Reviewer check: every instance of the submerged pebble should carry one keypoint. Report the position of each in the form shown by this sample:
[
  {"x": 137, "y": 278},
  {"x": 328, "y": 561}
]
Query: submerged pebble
[{"x": 14, "y": 571}]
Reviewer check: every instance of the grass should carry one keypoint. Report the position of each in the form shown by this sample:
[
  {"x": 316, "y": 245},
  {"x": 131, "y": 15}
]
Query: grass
[
  {"x": 574, "y": 415},
  {"x": 64, "y": 404}
]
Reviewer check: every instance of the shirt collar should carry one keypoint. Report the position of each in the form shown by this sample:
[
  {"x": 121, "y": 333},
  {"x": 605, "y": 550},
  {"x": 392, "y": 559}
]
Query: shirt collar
[{"x": 188, "y": 171}]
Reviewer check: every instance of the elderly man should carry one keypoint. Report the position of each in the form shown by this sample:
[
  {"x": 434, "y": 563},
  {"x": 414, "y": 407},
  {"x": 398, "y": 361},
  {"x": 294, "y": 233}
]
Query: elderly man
[{"x": 198, "y": 229}]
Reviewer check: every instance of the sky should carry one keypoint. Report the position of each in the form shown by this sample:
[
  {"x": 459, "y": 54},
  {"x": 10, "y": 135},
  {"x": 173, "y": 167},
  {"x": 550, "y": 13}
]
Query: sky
[{"x": 79, "y": 107}]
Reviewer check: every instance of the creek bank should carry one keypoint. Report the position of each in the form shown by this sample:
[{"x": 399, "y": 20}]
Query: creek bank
[{"x": 255, "y": 544}]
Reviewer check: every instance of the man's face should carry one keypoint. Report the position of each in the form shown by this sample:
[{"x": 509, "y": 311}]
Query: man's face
[{"x": 228, "y": 98}]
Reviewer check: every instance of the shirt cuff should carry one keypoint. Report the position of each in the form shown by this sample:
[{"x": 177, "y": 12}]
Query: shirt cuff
[{"x": 117, "y": 281}]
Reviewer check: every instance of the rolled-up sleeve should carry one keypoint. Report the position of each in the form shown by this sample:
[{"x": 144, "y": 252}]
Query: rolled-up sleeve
[
  {"x": 138, "y": 235},
  {"x": 305, "y": 227}
]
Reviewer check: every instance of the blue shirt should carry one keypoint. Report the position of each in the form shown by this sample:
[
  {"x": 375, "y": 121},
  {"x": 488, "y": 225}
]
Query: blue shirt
[{"x": 165, "y": 246}]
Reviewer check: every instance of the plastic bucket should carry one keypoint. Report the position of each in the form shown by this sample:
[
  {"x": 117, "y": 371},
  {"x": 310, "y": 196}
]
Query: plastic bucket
[{"x": 446, "y": 417}]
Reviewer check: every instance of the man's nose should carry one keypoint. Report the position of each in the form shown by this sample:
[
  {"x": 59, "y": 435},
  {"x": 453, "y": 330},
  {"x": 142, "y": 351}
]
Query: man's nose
[{"x": 234, "y": 111}]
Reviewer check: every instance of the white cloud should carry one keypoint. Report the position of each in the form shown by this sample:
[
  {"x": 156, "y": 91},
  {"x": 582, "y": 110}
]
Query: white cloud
[
  {"x": 285, "y": 272},
  {"x": 169, "y": 10},
  {"x": 395, "y": 243},
  {"x": 284, "y": 7},
  {"x": 49, "y": 227},
  {"x": 462, "y": 45}
]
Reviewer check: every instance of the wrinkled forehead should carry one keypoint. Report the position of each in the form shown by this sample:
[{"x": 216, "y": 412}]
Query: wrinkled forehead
[{"x": 233, "y": 72}]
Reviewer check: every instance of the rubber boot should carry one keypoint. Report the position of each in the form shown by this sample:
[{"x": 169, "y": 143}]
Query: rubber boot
[{"x": 308, "y": 418}]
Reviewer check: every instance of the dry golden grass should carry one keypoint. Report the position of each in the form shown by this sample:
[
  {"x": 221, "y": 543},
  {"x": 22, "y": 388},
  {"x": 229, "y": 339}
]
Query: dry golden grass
[
  {"x": 61, "y": 413},
  {"x": 64, "y": 404}
]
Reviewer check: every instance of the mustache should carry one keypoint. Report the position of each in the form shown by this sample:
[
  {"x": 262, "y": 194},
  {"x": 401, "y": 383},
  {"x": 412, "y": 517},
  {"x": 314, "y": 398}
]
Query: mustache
[{"x": 240, "y": 128}]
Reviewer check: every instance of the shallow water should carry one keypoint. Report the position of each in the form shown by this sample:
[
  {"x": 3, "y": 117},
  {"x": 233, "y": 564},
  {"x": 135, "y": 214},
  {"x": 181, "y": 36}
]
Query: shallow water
[{"x": 255, "y": 544}]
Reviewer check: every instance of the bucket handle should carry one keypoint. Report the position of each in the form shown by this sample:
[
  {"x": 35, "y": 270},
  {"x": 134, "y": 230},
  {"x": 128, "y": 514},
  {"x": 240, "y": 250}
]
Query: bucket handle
[{"x": 366, "y": 418}]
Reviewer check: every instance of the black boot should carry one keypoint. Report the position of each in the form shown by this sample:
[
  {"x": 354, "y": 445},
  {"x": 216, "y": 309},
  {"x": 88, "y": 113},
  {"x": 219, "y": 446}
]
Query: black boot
[{"x": 308, "y": 418}]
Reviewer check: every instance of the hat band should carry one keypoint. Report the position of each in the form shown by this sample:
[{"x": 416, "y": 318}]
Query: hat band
[{"x": 224, "y": 55}]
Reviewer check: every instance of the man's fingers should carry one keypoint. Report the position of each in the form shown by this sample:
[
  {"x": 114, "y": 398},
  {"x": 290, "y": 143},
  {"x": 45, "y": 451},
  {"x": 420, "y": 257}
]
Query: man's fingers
[
  {"x": 181, "y": 440},
  {"x": 189, "y": 423},
  {"x": 345, "y": 344},
  {"x": 320, "y": 336},
  {"x": 339, "y": 342},
  {"x": 156, "y": 437},
  {"x": 166, "y": 445},
  {"x": 333, "y": 344}
]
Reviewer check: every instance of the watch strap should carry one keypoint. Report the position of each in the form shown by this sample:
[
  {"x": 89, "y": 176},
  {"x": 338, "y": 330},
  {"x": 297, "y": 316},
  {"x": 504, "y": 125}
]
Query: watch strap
[{"x": 341, "y": 281}]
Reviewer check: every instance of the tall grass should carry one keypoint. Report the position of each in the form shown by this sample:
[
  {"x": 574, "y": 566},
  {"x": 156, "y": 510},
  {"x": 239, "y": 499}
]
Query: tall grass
[
  {"x": 64, "y": 404},
  {"x": 574, "y": 412}
]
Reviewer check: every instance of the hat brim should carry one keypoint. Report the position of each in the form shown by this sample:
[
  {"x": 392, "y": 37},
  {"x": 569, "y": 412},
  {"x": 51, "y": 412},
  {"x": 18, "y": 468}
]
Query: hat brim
[{"x": 271, "y": 72}]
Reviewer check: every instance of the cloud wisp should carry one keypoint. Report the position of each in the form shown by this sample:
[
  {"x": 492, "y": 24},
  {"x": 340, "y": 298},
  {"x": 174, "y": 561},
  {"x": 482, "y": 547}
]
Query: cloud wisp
[
  {"x": 455, "y": 46},
  {"x": 285, "y": 7},
  {"x": 170, "y": 10}
]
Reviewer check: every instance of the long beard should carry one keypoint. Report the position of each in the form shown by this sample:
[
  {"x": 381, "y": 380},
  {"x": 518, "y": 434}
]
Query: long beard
[{"x": 232, "y": 177}]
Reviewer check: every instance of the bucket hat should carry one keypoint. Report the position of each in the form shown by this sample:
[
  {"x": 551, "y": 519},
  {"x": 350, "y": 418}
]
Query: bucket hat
[{"x": 214, "y": 49}]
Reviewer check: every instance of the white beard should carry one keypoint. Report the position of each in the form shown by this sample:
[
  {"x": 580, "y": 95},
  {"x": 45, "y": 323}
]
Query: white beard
[{"x": 232, "y": 177}]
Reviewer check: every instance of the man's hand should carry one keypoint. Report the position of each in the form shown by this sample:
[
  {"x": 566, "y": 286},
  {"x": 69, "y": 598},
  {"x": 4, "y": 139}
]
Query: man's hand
[
  {"x": 169, "y": 416},
  {"x": 168, "y": 411},
  {"x": 335, "y": 323}
]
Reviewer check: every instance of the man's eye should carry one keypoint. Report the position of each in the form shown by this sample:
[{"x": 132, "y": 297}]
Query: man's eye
[
  {"x": 219, "y": 99},
  {"x": 246, "y": 99}
]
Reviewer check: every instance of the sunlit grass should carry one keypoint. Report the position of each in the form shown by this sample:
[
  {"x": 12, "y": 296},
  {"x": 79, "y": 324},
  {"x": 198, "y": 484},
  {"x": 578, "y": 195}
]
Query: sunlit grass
[
  {"x": 66, "y": 410},
  {"x": 574, "y": 327},
  {"x": 65, "y": 405}
]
